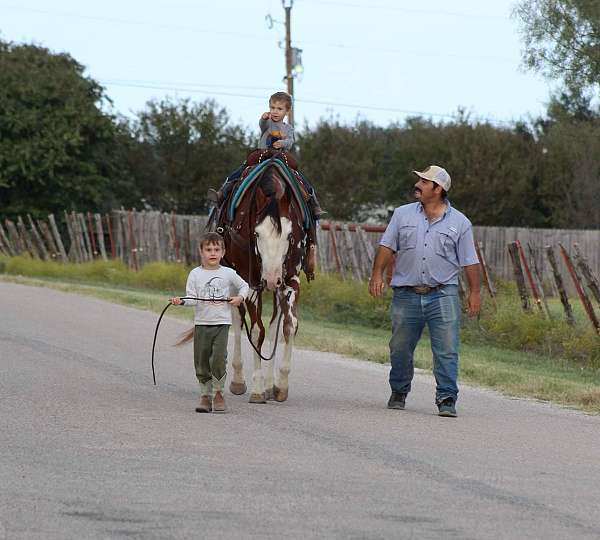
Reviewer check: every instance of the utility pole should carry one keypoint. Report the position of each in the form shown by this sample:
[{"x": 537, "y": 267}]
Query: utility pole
[{"x": 287, "y": 5}]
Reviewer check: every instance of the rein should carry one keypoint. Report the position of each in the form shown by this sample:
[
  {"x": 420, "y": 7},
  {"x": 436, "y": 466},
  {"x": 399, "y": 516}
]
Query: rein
[
  {"x": 256, "y": 350},
  {"x": 242, "y": 315},
  {"x": 161, "y": 316}
]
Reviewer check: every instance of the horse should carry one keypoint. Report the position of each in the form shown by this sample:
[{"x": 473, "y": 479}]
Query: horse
[{"x": 265, "y": 224}]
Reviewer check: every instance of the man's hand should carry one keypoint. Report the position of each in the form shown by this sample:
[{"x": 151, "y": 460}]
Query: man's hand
[
  {"x": 236, "y": 300},
  {"x": 383, "y": 257},
  {"x": 266, "y": 115},
  {"x": 376, "y": 286},
  {"x": 277, "y": 144},
  {"x": 474, "y": 303},
  {"x": 176, "y": 301}
]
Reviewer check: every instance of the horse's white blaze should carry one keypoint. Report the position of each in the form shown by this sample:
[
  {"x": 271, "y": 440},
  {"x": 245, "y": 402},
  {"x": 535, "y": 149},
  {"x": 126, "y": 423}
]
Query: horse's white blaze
[{"x": 273, "y": 248}]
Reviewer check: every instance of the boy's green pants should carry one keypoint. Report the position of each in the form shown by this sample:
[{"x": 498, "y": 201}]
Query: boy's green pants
[{"x": 210, "y": 356}]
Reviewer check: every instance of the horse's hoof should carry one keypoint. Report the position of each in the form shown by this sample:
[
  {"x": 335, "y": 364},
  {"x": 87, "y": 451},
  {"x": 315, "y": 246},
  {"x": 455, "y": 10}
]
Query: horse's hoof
[
  {"x": 257, "y": 398},
  {"x": 237, "y": 388},
  {"x": 269, "y": 394},
  {"x": 281, "y": 394}
]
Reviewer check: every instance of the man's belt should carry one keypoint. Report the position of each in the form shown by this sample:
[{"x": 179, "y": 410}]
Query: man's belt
[{"x": 423, "y": 289}]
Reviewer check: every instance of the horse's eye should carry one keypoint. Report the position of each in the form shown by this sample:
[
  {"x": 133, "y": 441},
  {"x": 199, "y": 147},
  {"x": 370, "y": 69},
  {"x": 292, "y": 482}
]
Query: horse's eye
[{"x": 255, "y": 234}]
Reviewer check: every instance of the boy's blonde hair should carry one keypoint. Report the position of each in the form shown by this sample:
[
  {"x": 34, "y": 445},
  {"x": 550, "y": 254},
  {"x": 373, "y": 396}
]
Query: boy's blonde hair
[
  {"x": 283, "y": 97},
  {"x": 211, "y": 238}
]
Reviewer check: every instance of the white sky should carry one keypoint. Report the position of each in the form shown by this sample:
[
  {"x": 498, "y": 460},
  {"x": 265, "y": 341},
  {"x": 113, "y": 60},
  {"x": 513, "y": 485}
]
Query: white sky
[{"x": 381, "y": 60}]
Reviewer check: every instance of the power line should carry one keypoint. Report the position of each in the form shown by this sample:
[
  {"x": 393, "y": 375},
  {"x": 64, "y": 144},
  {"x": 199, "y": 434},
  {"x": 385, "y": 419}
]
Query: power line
[
  {"x": 191, "y": 89},
  {"x": 309, "y": 43},
  {"x": 372, "y": 7},
  {"x": 111, "y": 20}
]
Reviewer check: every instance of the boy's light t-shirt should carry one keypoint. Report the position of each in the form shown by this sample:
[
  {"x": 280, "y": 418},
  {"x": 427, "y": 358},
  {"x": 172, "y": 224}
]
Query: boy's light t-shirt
[
  {"x": 220, "y": 283},
  {"x": 275, "y": 130}
]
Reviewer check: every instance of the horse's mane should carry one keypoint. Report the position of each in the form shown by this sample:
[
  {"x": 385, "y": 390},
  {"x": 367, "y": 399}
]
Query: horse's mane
[{"x": 268, "y": 185}]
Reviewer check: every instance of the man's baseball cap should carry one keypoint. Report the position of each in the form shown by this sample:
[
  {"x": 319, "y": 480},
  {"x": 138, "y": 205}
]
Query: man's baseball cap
[{"x": 436, "y": 174}]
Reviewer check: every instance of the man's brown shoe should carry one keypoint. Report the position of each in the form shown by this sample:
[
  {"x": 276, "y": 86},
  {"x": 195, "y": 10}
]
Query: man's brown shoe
[
  {"x": 218, "y": 403},
  {"x": 205, "y": 404}
]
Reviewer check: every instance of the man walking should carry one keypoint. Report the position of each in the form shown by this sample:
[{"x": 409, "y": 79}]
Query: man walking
[{"x": 431, "y": 241}]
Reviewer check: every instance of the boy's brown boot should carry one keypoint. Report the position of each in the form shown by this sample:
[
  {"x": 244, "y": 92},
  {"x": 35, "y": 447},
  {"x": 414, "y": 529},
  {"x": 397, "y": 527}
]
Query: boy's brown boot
[
  {"x": 311, "y": 261},
  {"x": 218, "y": 403},
  {"x": 205, "y": 404}
]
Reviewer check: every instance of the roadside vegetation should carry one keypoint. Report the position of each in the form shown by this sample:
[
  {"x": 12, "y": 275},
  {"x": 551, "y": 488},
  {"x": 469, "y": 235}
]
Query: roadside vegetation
[{"x": 516, "y": 353}]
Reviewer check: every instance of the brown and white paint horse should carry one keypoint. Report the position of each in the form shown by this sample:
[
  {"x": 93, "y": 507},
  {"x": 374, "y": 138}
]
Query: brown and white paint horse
[{"x": 266, "y": 243}]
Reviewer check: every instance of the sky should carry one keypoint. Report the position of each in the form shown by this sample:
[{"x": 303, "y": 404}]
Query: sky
[{"x": 377, "y": 60}]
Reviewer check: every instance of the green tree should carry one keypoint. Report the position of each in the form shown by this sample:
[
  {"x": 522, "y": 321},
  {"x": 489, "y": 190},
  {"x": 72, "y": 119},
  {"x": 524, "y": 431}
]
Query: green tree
[
  {"x": 58, "y": 149},
  {"x": 181, "y": 149},
  {"x": 562, "y": 40},
  {"x": 494, "y": 170},
  {"x": 570, "y": 141},
  {"x": 344, "y": 164}
]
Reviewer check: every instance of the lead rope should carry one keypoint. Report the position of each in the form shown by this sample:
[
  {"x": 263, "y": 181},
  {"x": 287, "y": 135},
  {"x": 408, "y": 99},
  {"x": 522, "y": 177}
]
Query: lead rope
[
  {"x": 161, "y": 316},
  {"x": 243, "y": 317}
]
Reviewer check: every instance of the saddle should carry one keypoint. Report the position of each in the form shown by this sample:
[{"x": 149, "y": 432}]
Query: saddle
[
  {"x": 222, "y": 217},
  {"x": 255, "y": 164}
]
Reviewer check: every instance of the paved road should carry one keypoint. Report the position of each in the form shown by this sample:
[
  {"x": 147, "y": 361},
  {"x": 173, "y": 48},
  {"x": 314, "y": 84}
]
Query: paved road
[{"x": 89, "y": 448}]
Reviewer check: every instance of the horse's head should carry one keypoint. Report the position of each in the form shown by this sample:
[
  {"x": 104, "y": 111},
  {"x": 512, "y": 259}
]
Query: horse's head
[
  {"x": 274, "y": 230},
  {"x": 265, "y": 240}
]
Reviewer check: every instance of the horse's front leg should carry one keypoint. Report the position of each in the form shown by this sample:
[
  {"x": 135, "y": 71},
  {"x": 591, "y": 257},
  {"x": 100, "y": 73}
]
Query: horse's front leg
[
  {"x": 290, "y": 325},
  {"x": 257, "y": 332},
  {"x": 238, "y": 384},
  {"x": 268, "y": 366}
]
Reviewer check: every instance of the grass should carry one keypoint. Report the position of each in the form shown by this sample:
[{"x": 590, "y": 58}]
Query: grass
[{"x": 497, "y": 352}]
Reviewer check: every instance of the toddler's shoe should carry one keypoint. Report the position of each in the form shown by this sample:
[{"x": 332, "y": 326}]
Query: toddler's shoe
[{"x": 205, "y": 404}]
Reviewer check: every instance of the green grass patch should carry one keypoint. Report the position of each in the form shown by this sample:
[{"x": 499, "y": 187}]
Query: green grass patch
[{"x": 516, "y": 353}]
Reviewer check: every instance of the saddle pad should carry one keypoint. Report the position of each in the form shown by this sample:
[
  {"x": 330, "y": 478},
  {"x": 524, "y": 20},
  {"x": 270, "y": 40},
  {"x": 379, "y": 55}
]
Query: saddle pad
[{"x": 255, "y": 173}]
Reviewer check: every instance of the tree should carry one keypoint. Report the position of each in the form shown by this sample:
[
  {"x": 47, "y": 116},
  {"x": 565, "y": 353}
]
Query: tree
[
  {"x": 562, "y": 40},
  {"x": 180, "y": 150},
  {"x": 58, "y": 149},
  {"x": 343, "y": 163},
  {"x": 570, "y": 139}
]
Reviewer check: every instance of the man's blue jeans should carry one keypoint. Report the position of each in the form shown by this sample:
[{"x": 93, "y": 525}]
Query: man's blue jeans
[{"x": 410, "y": 311}]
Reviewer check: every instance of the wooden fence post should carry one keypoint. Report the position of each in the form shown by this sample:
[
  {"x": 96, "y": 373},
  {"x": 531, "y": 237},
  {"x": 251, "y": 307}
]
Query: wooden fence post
[
  {"x": 100, "y": 235},
  {"x": 85, "y": 239},
  {"x": 351, "y": 253},
  {"x": 560, "y": 285},
  {"x": 534, "y": 289},
  {"x": 133, "y": 250},
  {"x": 41, "y": 246},
  {"x": 27, "y": 238},
  {"x": 92, "y": 236},
  {"x": 334, "y": 250},
  {"x": 367, "y": 249},
  {"x": 587, "y": 305},
  {"x": 591, "y": 280},
  {"x": 57, "y": 238},
  {"x": 538, "y": 278},
  {"x": 113, "y": 249},
  {"x": 6, "y": 242},
  {"x": 519, "y": 277},
  {"x": 47, "y": 235},
  {"x": 484, "y": 270},
  {"x": 17, "y": 242}
]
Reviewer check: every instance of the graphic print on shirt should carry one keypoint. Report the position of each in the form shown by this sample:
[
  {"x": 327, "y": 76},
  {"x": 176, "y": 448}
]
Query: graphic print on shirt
[
  {"x": 215, "y": 289},
  {"x": 274, "y": 135}
]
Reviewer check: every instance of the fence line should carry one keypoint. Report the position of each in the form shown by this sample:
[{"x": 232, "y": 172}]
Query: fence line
[{"x": 347, "y": 248}]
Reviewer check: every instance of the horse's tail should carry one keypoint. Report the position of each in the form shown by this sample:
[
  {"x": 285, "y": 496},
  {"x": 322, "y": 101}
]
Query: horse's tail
[{"x": 186, "y": 337}]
